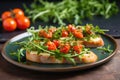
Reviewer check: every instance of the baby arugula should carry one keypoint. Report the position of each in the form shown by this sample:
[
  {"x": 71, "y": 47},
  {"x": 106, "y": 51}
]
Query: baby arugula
[
  {"x": 37, "y": 43},
  {"x": 72, "y": 11}
]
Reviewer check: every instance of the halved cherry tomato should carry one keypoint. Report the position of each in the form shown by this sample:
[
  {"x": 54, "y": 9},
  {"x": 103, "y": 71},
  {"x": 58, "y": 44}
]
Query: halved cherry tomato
[
  {"x": 23, "y": 22},
  {"x": 64, "y": 33},
  {"x": 78, "y": 34},
  {"x": 45, "y": 34},
  {"x": 18, "y": 12},
  {"x": 56, "y": 42},
  {"x": 5, "y": 15},
  {"x": 51, "y": 45},
  {"x": 77, "y": 48},
  {"x": 9, "y": 24},
  {"x": 71, "y": 28},
  {"x": 65, "y": 48}
]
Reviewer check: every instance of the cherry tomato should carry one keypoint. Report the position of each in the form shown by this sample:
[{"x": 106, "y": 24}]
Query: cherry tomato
[
  {"x": 23, "y": 22},
  {"x": 5, "y": 15},
  {"x": 77, "y": 48},
  {"x": 71, "y": 28},
  {"x": 9, "y": 24},
  {"x": 45, "y": 34},
  {"x": 78, "y": 34},
  {"x": 51, "y": 45},
  {"x": 65, "y": 48},
  {"x": 18, "y": 12},
  {"x": 64, "y": 33},
  {"x": 56, "y": 42}
]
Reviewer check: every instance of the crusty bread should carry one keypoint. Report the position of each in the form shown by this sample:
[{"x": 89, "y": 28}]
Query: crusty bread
[
  {"x": 89, "y": 58},
  {"x": 46, "y": 58},
  {"x": 94, "y": 42},
  {"x": 41, "y": 58}
]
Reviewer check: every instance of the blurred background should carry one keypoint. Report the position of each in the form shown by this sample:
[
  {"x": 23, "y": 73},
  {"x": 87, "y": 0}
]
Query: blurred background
[{"x": 113, "y": 23}]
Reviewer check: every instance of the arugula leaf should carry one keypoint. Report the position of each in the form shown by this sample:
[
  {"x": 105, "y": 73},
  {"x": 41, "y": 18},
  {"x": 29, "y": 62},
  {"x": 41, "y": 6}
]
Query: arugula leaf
[
  {"x": 106, "y": 49},
  {"x": 72, "y": 11},
  {"x": 19, "y": 54}
]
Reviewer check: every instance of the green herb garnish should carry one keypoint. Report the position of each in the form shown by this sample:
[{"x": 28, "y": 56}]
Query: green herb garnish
[
  {"x": 72, "y": 11},
  {"x": 106, "y": 49}
]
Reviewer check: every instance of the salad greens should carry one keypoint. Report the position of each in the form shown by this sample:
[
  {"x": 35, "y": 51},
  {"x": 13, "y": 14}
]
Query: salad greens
[
  {"x": 35, "y": 42},
  {"x": 72, "y": 11},
  {"x": 106, "y": 49}
]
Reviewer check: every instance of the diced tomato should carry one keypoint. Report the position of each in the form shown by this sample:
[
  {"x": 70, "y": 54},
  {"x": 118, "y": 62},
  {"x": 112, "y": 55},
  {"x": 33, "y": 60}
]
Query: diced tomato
[
  {"x": 56, "y": 42},
  {"x": 71, "y": 28},
  {"x": 64, "y": 33},
  {"x": 51, "y": 45},
  {"x": 65, "y": 48},
  {"x": 77, "y": 48},
  {"x": 78, "y": 34},
  {"x": 45, "y": 34}
]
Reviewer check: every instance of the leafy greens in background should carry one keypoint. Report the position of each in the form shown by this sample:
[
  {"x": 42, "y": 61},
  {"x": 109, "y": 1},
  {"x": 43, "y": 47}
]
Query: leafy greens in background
[{"x": 72, "y": 11}]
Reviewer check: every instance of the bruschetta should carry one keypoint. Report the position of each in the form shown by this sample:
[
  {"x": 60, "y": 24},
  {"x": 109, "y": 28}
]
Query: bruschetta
[
  {"x": 47, "y": 58},
  {"x": 68, "y": 44}
]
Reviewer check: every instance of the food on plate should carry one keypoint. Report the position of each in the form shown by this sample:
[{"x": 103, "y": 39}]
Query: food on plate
[
  {"x": 33, "y": 56},
  {"x": 65, "y": 44}
]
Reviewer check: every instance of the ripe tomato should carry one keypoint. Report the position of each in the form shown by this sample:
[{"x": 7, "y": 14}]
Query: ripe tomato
[
  {"x": 71, "y": 28},
  {"x": 51, "y": 45},
  {"x": 45, "y": 34},
  {"x": 64, "y": 33},
  {"x": 18, "y": 12},
  {"x": 23, "y": 22},
  {"x": 9, "y": 24},
  {"x": 78, "y": 34},
  {"x": 5, "y": 15},
  {"x": 56, "y": 42},
  {"x": 77, "y": 48},
  {"x": 65, "y": 48}
]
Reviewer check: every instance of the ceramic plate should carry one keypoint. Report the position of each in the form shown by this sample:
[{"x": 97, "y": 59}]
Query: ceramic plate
[{"x": 102, "y": 57}]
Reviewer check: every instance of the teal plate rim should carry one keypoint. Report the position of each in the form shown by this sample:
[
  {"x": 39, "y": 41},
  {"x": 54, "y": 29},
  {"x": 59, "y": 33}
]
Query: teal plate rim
[{"x": 60, "y": 69}]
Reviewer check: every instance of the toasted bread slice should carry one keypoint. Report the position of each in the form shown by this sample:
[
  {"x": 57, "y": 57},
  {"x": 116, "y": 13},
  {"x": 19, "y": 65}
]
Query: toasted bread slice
[
  {"x": 41, "y": 58},
  {"x": 46, "y": 58},
  {"x": 94, "y": 42}
]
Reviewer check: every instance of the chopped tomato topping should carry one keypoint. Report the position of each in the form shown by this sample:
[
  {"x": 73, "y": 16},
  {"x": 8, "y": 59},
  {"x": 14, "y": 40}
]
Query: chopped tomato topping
[
  {"x": 65, "y": 48},
  {"x": 56, "y": 42},
  {"x": 77, "y": 48},
  {"x": 71, "y": 28},
  {"x": 64, "y": 33},
  {"x": 78, "y": 34},
  {"x": 45, "y": 34},
  {"x": 51, "y": 45}
]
